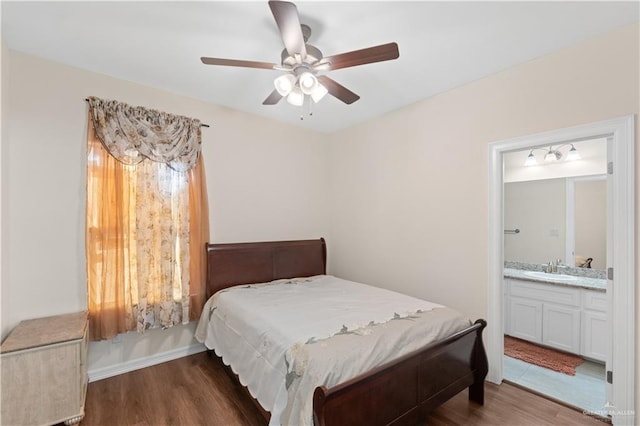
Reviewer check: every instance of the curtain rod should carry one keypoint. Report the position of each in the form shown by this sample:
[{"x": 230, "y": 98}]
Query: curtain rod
[{"x": 201, "y": 124}]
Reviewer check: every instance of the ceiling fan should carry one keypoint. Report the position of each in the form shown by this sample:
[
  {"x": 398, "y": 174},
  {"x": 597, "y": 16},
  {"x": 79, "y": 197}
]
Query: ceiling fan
[{"x": 302, "y": 62}]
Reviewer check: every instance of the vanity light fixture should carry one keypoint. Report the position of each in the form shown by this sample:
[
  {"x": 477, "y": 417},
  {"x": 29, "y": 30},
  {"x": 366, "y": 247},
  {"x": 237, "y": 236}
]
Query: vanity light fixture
[
  {"x": 573, "y": 155},
  {"x": 552, "y": 154}
]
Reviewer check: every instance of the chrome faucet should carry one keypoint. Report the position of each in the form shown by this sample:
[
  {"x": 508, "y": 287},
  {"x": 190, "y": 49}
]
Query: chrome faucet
[
  {"x": 552, "y": 267},
  {"x": 549, "y": 268}
]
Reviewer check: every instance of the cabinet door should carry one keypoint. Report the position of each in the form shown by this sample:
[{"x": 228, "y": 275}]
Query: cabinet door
[
  {"x": 561, "y": 327},
  {"x": 525, "y": 319},
  {"x": 594, "y": 335}
]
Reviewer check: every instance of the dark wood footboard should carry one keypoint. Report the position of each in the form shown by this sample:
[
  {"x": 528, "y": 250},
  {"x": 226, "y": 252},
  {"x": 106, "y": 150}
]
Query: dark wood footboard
[{"x": 405, "y": 390}]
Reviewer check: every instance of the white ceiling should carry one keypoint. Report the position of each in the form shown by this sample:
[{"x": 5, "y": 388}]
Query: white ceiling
[{"x": 442, "y": 45}]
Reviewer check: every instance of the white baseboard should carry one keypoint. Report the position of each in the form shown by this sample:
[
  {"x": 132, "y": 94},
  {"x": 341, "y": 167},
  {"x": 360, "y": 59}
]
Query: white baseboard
[{"x": 136, "y": 364}]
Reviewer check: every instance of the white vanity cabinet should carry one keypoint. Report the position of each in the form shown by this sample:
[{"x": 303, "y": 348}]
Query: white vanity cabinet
[
  {"x": 546, "y": 314},
  {"x": 568, "y": 318},
  {"x": 595, "y": 334}
]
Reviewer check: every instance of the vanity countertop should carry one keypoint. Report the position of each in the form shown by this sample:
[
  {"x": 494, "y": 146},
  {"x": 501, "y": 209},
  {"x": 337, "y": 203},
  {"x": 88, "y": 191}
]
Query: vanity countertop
[{"x": 557, "y": 279}]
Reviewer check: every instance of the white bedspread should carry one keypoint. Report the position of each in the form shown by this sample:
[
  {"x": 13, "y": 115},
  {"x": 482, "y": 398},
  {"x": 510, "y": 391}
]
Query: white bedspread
[{"x": 268, "y": 334}]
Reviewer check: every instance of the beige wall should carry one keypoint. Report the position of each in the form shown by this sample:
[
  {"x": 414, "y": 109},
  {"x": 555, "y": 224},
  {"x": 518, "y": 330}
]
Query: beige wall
[
  {"x": 409, "y": 189},
  {"x": 265, "y": 180}
]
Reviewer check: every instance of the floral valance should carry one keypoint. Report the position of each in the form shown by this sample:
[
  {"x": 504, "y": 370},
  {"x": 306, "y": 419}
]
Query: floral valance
[{"x": 132, "y": 134}]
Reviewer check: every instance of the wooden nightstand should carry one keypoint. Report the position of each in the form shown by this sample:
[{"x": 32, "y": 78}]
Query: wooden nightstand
[{"x": 44, "y": 371}]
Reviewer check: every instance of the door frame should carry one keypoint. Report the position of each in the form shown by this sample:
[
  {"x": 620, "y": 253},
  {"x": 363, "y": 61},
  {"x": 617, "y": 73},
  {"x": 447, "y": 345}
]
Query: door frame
[{"x": 622, "y": 320}]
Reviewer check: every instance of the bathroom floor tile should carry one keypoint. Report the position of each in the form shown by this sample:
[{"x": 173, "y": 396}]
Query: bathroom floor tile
[
  {"x": 513, "y": 368},
  {"x": 585, "y": 390}
]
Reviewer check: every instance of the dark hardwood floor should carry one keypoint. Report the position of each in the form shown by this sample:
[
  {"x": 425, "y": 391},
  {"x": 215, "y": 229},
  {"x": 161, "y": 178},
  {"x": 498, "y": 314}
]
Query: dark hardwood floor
[{"x": 196, "y": 390}]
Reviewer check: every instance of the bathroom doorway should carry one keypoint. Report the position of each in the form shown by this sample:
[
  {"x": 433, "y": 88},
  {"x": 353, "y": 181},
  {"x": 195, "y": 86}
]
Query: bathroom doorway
[
  {"x": 555, "y": 311},
  {"x": 621, "y": 371}
]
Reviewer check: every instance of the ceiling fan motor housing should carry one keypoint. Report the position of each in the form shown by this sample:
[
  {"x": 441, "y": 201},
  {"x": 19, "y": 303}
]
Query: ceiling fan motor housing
[{"x": 313, "y": 56}]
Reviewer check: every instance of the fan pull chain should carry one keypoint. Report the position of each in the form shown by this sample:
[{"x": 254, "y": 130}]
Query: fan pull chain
[{"x": 310, "y": 107}]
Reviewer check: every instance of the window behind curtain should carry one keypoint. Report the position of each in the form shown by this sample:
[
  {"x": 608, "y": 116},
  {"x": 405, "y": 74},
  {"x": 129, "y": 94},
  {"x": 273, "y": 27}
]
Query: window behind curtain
[{"x": 146, "y": 227}]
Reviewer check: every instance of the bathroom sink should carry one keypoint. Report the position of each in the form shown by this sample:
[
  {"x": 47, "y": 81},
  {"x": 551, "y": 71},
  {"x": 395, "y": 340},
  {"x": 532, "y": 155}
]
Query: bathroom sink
[{"x": 545, "y": 276}]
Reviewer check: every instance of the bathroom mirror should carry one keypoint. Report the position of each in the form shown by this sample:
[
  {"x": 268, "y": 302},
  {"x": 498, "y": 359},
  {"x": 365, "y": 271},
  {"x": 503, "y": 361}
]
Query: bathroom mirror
[{"x": 559, "y": 218}]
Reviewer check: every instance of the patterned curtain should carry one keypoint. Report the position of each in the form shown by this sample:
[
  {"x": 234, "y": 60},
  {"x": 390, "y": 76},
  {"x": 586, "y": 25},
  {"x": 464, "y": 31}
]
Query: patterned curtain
[
  {"x": 147, "y": 219},
  {"x": 132, "y": 134}
]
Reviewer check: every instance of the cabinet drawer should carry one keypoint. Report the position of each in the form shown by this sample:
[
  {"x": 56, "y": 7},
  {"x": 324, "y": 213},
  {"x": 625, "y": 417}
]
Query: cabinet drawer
[
  {"x": 595, "y": 300},
  {"x": 546, "y": 293}
]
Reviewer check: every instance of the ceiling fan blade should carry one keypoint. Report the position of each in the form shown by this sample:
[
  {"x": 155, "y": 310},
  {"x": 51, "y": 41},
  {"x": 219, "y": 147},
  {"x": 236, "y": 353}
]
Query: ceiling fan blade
[
  {"x": 288, "y": 21},
  {"x": 273, "y": 98},
  {"x": 338, "y": 90},
  {"x": 383, "y": 52},
  {"x": 238, "y": 63}
]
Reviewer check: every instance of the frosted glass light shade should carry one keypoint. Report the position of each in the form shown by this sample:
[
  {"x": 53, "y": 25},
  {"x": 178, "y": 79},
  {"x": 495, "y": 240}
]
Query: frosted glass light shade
[
  {"x": 307, "y": 82},
  {"x": 573, "y": 154},
  {"x": 285, "y": 84},
  {"x": 319, "y": 93},
  {"x": 296, "y": 97},
  {"x": 552, "y": 155},
  {"x": 531, "y": 160}
]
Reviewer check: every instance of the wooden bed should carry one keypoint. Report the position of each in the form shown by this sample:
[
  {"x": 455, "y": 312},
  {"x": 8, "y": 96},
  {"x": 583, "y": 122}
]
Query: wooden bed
[{"x": 402, "y": 391}]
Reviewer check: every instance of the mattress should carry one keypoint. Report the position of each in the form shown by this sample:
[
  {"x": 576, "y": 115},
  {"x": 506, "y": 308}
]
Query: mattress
[{"x": 286, "y": 337}]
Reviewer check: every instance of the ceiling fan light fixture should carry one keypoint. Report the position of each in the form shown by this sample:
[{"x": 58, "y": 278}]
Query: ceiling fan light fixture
[
  {"x": 307, "y": 82},
  {"x": 319, "y": 93},
  {"x": 300, "y": 61},
  {"x": 296, "y": 97},
  {"x": 285, "y": 84}
]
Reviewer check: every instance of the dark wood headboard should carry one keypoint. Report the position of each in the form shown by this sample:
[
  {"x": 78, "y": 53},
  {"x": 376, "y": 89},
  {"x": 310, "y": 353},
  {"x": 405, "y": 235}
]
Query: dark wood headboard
[{"x": 248, "y": 263}]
